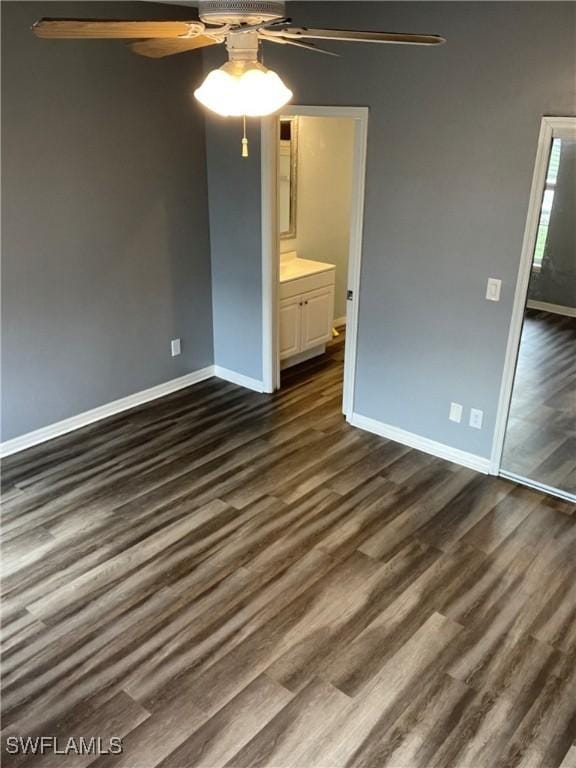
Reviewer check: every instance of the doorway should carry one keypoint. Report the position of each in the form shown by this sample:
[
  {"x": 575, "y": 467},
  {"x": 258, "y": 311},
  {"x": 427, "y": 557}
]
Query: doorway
[
  {"x": 295, "y": 324},
  {"x": 536, "y": 431}
]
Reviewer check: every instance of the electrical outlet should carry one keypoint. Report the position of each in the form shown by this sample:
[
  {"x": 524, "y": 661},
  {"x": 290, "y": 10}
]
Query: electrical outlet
[
  {"x": 455, "y": 412},
  {"x": 175, "y": 347},
  {"x": 476, "y": 417}
]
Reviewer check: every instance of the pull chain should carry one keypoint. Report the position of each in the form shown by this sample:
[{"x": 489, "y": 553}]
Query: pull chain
[{"x": 244, "y": 138}]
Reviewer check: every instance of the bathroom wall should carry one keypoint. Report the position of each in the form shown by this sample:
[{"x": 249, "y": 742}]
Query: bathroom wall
[
  {"x": 324, "y": 185},
  {"x": 555, "y": 283}
]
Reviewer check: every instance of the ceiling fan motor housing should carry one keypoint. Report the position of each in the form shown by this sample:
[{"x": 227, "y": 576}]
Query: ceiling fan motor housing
[{"x": 241, "y": 11}]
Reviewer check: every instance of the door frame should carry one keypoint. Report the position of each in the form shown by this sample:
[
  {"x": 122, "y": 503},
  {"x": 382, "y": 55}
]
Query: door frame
[
  {"x": 550, "y": 128},
  {"x": 271, "y": 242}
]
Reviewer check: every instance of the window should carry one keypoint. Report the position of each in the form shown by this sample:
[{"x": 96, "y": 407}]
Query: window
[{"x": 547, "y": 202}]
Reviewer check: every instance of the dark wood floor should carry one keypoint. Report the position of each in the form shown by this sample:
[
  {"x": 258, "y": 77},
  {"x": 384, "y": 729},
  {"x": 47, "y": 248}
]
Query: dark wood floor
[
  {"x": 541, "y": 434},
  {"x": 225, "y": 578}
]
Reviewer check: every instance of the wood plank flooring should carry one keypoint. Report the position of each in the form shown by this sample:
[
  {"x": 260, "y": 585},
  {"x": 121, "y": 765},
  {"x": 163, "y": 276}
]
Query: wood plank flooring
[
  {"x": 223, "y": 578},
  {"x": 541, "y": 434}
]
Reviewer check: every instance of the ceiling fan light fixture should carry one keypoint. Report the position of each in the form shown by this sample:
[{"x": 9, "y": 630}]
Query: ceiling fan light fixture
[{"x": 243, "y": 88}]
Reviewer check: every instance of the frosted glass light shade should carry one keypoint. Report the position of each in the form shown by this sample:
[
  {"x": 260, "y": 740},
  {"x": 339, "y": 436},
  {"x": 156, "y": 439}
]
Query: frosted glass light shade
[{"x": 243, "y": 88}]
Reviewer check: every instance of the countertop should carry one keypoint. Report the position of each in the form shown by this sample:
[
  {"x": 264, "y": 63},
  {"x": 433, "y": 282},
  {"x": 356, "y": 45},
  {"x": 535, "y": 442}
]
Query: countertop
[{"x": 292, "y": 267}]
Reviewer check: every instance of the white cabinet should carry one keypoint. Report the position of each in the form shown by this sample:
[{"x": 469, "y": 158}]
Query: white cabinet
[
  {"x": 306, "y": 313},
  {"x": 290, "y": 326},
  {"x": 316, "y": 318}
]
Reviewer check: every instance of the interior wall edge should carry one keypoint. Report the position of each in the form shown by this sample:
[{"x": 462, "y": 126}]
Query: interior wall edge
[{"x": 238, "y": 378}]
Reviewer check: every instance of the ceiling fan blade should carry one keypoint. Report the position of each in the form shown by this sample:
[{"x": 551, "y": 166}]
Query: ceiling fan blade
[
  {"x": 297, "y": 43},
  {"x": 112, "y": 28},
  {"x": 157, "y": 49},
  {"x": 358, "y": 36}
]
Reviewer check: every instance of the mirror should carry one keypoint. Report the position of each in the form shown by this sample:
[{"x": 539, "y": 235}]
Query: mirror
[
  {"x": 287, "y": 176},
  {"x": 540, "y": 443}
]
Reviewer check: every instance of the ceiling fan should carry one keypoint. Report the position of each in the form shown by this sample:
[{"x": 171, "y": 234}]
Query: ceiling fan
[{"x": 243, "y": 86}]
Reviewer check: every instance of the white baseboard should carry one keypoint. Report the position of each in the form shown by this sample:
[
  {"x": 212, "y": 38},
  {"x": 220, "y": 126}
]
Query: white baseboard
[
  {"x": 51, "y": 431},
  {"x": 441, "y": 450},
  {"x": 339, "y": 322},
  {"x": 42, "y": 435},
  {"x": 238, "y": 378},
  {"x": 555, "y": 309}
]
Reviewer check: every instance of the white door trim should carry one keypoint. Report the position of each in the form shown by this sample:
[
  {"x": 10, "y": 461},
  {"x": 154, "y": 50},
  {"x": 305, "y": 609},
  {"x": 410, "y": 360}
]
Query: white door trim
[
  {"x": 270, "y": 242},
  {"x": 550, "y": 128},
  {"x": 270, "y": 259}
]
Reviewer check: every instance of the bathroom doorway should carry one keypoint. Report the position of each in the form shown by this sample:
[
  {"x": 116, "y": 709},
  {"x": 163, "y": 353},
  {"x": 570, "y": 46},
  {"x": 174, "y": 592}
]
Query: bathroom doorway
[{"x": 313, "y": 171}]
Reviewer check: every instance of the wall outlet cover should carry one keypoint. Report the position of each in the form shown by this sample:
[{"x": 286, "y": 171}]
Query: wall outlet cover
[
  {"x": 175, "y": 347},
  {"x": 455, "y": 412},
  {"x": 476, "y": 418}
]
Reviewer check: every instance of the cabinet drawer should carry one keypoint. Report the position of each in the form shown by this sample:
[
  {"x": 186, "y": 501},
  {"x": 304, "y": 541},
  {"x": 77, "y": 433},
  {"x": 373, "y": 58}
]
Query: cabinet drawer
[{"x": 308, "y": 283}]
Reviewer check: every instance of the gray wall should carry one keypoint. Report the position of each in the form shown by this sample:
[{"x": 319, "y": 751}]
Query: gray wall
[
  {"x": 452, "y": 142},
  {"x": 235, "y": 242},
  {"x": 105, "y": 225},
  {"x": 556, "y": 282}
]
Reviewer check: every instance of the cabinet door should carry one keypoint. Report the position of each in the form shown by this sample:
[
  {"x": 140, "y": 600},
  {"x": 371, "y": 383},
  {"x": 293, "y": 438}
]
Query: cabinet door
[
  {"x": 317, "y": 317},
  {"x": 290, "y": 326}
]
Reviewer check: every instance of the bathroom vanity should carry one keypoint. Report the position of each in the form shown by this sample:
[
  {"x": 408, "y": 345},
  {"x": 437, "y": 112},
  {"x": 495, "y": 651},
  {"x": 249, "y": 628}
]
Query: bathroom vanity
[{"x": 306, "y": 307}]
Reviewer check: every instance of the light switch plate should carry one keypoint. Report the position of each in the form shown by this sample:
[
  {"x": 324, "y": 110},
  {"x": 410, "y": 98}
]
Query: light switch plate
[
  {"x": 175, "y": 347},
  {"x": 493, "y": 289}
]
